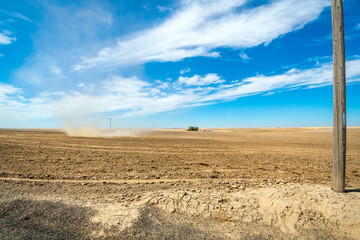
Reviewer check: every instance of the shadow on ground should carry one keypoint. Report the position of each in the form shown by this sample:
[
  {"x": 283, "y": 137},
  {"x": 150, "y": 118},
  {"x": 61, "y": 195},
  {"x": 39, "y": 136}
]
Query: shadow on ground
[
  {"x": 154, "y": 224},
  {"x": 25, "y": 219}
]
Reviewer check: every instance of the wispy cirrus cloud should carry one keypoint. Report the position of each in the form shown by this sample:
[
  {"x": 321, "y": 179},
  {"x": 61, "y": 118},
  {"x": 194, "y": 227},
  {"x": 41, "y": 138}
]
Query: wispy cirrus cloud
[
  {"x": 197, "y": 80},
  {"x": 129, "y": 97},
  {"x": 244, "y": 57},
  {"x": 16, "y": 15},
  {"x": 201, "y": 26},
  {"x": 65, "y": 31},
  {"x": 185, "y": 70},
  {"x": 164, "y": 9},
  {"x": 13, "y": 106},
  {"x": 55, "y": 70},
  {"x": 6, "y": 38},
  {"x": 7, "y": 89}
]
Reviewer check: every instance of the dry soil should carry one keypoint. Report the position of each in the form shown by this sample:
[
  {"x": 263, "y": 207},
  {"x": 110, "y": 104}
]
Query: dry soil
[{"x": 173, "y": 184}]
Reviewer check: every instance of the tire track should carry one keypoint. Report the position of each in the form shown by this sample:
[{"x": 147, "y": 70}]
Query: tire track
[{"x": 119, "y": 181}]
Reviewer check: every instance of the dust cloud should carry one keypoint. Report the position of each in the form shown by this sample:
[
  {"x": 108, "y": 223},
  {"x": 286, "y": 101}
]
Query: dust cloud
[
  {"x": 99, "y": 132},
  {"x": 92, "y": 127}
]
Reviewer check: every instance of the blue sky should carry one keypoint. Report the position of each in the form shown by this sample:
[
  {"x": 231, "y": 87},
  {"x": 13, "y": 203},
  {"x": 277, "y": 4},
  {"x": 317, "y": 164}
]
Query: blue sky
[{"x": 223, "y": 63}]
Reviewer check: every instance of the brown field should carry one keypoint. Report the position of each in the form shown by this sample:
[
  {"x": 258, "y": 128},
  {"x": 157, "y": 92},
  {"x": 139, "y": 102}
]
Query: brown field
[{"x": 250, "y": 183}]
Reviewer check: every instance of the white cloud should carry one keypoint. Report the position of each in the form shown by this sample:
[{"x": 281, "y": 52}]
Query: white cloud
[
  {"x": 162, "y": 85},
  {"x": 6, "y": 32},
  {"x": 17, "y": 15},
  {"x": 201, "y": 26},
  {"x": 135, "y": 97},
  {"x": 196, "y": 80},
  {"x": 55, "y": 70},
  {"x": 49, "y": 94},
  {"x": 13, "y": 106},
  {"x": 185, "y": 70},
  {"x": 6, "y": 89},
  {"x": 126, "y": 86},
  {"x": 5, "y": 39},
  {"x": 164, "y": 9},
  {"x": 96, "y": 15},
  {"x": 244, "y": 56},
  {"x": 66, "y": 30},
  {"x": 293, "y": 78}
]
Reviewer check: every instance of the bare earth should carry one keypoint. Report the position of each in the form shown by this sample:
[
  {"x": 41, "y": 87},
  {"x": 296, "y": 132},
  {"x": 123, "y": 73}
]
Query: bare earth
[{"x": 173, "y": 184}]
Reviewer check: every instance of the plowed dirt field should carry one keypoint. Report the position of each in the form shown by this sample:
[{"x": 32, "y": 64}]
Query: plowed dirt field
[{"x": 173, "y": 184}]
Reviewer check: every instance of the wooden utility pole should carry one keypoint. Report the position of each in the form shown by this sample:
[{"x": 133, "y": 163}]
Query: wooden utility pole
[
  {"x": 339, "y": 98},
  {"x": 110, "y": 124}
]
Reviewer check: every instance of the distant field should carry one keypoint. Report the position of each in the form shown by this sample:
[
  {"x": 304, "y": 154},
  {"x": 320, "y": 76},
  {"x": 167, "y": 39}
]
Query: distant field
[
  {"x": 302, "y": 155},
  {"x": 226, "y": 183}
]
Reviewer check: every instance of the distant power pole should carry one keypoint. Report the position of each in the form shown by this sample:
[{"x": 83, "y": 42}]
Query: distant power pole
[
  {"x": 339, "y": 98},
  {"x": 110, "y": 124}
]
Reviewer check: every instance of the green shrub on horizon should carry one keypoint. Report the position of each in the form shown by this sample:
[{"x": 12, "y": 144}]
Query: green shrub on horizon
[{"x": 191, "y": 128}]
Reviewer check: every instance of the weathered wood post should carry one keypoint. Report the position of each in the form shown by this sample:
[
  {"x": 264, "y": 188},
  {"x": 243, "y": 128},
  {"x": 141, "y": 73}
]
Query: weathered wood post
[
  {"x": 110, "y": 124},
  {"x": 339, "y": 98}
]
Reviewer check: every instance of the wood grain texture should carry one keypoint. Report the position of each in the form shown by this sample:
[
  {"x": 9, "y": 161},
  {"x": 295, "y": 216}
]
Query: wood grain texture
[{"x": 339, "y": 98}]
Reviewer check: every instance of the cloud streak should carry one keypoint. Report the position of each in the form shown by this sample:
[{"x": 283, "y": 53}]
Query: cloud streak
[
  {"x": 5, "y": 38},
  {"x": 17, "y": 15},
  {"x": 130, "y": 97},
  {"x": 200, "y": 27},
  {"x": 197, "y": 80},
  {"x": 244, "y": 57}
]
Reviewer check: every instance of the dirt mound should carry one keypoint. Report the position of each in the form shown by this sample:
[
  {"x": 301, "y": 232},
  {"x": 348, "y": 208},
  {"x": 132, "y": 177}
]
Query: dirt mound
[
  {"x": 292, "y": 208},
  {"x": 279, "y": 211}
]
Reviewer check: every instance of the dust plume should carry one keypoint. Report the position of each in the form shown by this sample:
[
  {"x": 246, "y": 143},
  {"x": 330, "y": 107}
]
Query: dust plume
[
  {"x": 98, "y": 132},
  {"x": 91, "y": 127},
  {"x": 81, "y": 118}
]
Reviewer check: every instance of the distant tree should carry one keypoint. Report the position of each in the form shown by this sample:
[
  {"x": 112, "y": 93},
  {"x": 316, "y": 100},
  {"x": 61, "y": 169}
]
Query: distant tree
[{"x": 191, "y": 128}]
